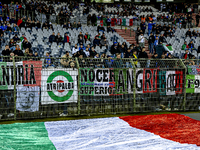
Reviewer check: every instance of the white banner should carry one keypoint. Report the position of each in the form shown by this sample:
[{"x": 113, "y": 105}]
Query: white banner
[
  {"x": 170, "y": 83},
  {"x": 28, "y": 98},
  {"x": 59, "y": 86}
]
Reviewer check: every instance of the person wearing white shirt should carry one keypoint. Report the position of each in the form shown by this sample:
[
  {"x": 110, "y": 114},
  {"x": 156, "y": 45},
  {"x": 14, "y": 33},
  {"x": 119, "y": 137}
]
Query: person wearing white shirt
[
  {"x": 87, "y": 52},
  {"x": 141, "y": 40},
  {"x": 75, "y": 49}
]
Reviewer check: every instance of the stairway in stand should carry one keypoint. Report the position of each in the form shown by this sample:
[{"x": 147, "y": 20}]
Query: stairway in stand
[{"x": 126, "y": 36}]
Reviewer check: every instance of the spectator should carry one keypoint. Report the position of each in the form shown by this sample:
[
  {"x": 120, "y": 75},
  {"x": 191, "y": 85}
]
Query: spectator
[
  {"x": 96, "y": 42},
  {"x": 187, "y": 55},
  {"x": 93, "y": 52},
  {"x": 52, "y": 38},
  {"x": 86, "y": 37},
  {"x": 143, "y": 54},
  {"x": 151, "y": 43},
  {"x": 80, "y": 35},
  {"x": 128, "y": 54},
  {"x": 150, "y": 26},
  {"x": 141, "y": 40},
  {"x": 6, "y": 51},
  {"x": 81, "y": 47},
  {"x": 75, "y": 49},
  {"x": 69, "y": 25},
  {"x": 143, "y": 26},
  {"x": 65, "y": 59},
  {"x": 26, "y": 44},
  {"x": 74, "y": 25},
  {"x": 12, "y": 45},
  {"x": 114, "y": 49},
  {"x": 156, "y": 42},
  {"x": 160, "y": 50},
  {"x": 18, "y": 51},
  {"x": 80, "y": 41},
  {"x": 38, "y": 25},
  {"x": 185, "y": 46},
  {"x": 87, "y": 52},
  {"x": 26, "y": 53},
  {"x": 191, "y": 45},
  {"x": 188, "y": 33},
  {"x": 16, "y": 38},
  {"x": 79, "y": 26},
  {"x": 58, "y": 38},
  {"x": 108, "y": 21},
  {"x": 162, "y": 39},
  {"x": 155, "y": 56},
  {"x": 66, "y": 38},
  {"x": 22, "y": 38},
  {"x": 48, "y": 61}
]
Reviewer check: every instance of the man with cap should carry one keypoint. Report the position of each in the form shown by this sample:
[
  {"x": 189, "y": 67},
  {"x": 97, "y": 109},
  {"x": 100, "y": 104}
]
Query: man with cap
[{"x": 65, "y": 59}]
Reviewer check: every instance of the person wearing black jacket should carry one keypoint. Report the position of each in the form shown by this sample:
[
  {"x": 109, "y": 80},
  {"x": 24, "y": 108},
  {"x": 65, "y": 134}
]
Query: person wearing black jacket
[
  {"x": 143, "y": 54},
  {"x": 189, "y": 19},
  {"x": 162, "y": 39},
  {"x": 188, "y": 33},
  {"x": 151, "y": 42},
  {"x": 26, "y": 44},
  {"x": 58, "y": 38},
  {"x": 38, "y": 25},
  {"x": 6, "y": 51}
]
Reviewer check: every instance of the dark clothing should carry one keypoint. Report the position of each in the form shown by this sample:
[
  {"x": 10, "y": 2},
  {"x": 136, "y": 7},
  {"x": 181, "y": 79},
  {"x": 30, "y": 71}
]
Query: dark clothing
[
  {"x": 188, "y": 33},
  {"x": 113, "y": 49},
  {"x": 93, "y": 53},
  {"x": 96, "y": 42},
  {"x": 15, "y": 39},
  {"x": 159, "y": 50},
  {"x": 58, "y": 39},
  {"x": 151, "y": 39},
  {"x": 52, "y": 38},
  {"x": 128, "y": 55},
  {"x": 18, "y": 52},
  {"x": 161, "y": 39},
  {"x": 26, "y": 45},
  {"x": 6, "y": 52},
  {"x": 143, "y": 55},
  {"x": 191, "y": 45}
]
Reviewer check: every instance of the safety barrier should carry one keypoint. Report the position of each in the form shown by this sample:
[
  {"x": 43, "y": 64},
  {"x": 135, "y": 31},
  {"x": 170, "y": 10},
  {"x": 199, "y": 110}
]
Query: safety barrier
[{"x": 56, "y": 87}]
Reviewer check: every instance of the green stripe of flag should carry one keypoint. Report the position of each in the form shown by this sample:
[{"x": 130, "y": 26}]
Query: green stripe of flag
[
  {"x": 25, "y": 136},
  {"x": 191, "y": 89}
]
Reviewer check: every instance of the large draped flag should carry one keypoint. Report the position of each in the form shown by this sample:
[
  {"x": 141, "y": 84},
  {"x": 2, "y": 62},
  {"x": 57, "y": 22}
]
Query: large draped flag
[{"x": 149, "y": 132}]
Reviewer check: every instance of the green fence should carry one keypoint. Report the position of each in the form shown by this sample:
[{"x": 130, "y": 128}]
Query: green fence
[{"x": 56, "y": 87}]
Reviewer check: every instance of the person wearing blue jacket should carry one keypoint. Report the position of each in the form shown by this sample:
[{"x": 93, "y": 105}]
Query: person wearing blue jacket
[{"x": 150, "y": 26}]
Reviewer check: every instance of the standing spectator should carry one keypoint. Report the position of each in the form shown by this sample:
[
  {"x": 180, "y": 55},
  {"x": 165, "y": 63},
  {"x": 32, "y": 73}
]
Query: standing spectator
[
  {"x": 151, "y": 43},
  {"x": 160, "y": 50},
  {"x": 93, "y": 19},
  {"x": 150, "y": 26},
  {"x": 141, "y": 40},
  {"x": 143, "y": 27},
  {"x": 108, "y": 21},
  {"x": 156, "y": 42}
]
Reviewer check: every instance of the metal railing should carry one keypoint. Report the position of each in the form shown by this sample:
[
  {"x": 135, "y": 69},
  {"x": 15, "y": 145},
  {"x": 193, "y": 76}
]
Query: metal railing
[{"x": 56, "y": 87}]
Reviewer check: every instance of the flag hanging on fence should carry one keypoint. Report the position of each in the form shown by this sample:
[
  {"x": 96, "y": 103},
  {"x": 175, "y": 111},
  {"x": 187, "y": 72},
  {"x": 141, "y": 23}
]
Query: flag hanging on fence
[
  {"x": 192, "y": 84},
  {"x": 59, "y": 86},
  {"x": 28, "y": 73},
  {"x": 28, "y": 98}
]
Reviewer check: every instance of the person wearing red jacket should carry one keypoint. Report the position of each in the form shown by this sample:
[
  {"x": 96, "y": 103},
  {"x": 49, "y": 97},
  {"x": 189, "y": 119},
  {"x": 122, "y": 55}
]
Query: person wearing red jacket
[
  {"x": 19, "y": 22},
  {"x": 66, "y": 38}
]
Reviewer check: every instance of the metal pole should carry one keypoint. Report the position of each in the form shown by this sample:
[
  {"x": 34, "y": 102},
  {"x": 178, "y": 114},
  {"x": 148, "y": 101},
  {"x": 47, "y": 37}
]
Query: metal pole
[
  {"x": 184, "y": 88},
  {"x": 15, "y": 97},
  {"x": 79, "y": 101},
  {"x": 134, "y": 85},
  {"x": 130, "y": 32}
]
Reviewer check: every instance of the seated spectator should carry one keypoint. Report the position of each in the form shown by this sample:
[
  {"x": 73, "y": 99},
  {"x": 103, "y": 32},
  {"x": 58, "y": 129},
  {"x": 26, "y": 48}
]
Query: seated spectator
[
  {"x": 82, "y": 53},
  {"x": 45, "y": 26},
  {"x": 65, "y": 59},
  {"x": 74, "y": 25},
  {"x": 48, "y": 60},
  {"x": 80, "y": 35},
  {"x": 29, "y": 24},
  {"x": 26, "y": 53},
  {"x": 38, "y": 25},
  {"x": 80, "y": 41},
  {"x": 69, "y": 25},
  {"x": 22, "y": 38},
  {"x": 66, "y": 38},
  {"x": 99, "y": 28},
  {"x": 81, "y": 47},
  {"x": 52, "y": 38},
  {"x": 194, "y": 33},
  {"x": 86, "y": 37},
  {"x": 159, "y": 50},
  {"x": 114, "y": 48},
  {"x": 185, "y": 46},
  {"x": 16, "y": 38},
  {"x": 36, "y": 56},
  {"x": 109, "y": 29},
  {"x": 6, "y": 51},
  {"x": 75, "y": 49},
  {"x": 188, "y": 33},
  {"x": 155, "y": 55},
  {"x": 96, "y": 56},
  {"x": 59, "y": 38},
  {"x": 31, "y": 56},
  {"x": 187, "y": 55},
  {"x": 128, "y": 54},
  {"x": 143, "y": 54},
  {"x": 12, "y": 45},
  {"x": 87, "y": 52},
  {"x": 26, "y": 44},
  {"x": 104, "y": 42},
  {"x": 191, "y": 45},
  {"x": 33, "y": 25},
  {"x": 162, "y": 39},
  {"x": 96, "y": 42},
  {"x": 79, "y": 26},
  {"x": 18, "y": 51},
  {"x": 93, "y": 52}
]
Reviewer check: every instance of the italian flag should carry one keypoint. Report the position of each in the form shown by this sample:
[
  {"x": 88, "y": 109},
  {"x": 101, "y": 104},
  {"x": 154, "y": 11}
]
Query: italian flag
[
  {"x": 149, "y": 132},
  {"x": 127, "y": 22}
]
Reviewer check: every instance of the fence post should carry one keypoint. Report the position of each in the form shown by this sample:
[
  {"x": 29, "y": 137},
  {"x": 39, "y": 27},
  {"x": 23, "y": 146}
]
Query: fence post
[
  {"x": 79, "y": 101},
  {"x": 184, "y": 88},
  {"x": 14, "y": 68},
  {"x": 130, "y": 31},
  {"x": 134, "y": 85}
]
